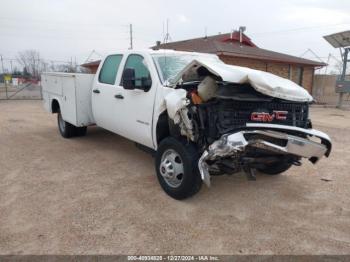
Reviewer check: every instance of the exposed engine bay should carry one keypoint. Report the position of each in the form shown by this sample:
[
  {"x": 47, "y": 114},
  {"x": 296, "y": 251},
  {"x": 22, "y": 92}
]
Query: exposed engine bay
[{"x": 238, "y": 128}]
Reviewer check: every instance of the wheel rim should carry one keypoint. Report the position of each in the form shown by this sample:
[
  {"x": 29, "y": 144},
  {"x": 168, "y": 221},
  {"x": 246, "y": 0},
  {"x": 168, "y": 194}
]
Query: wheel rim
[
  {"x": 171, "y": 168},
  {"x": 61, "y": 123}
]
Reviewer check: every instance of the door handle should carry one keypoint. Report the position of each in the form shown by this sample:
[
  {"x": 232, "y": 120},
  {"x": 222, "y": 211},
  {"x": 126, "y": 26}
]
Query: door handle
[
  {"x": 96, "y": 91},
  {"x": 119, "y": 96}
]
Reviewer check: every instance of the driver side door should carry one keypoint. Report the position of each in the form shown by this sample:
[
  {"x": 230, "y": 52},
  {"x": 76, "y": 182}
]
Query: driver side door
[{"x": 136, "y": 104}]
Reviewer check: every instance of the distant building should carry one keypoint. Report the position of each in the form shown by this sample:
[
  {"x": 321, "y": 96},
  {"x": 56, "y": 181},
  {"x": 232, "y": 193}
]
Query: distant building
[
  {"x": 92, "y": 66},
  {"x": 234, "y": 50},
  {"x": 245, "y": 53}
]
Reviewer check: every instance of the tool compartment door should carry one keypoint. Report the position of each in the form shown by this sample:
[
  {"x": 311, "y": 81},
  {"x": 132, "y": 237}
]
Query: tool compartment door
[{"x": 68, "y": 107}]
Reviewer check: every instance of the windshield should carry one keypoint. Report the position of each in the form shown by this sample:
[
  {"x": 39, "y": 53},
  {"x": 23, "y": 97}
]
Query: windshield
[{"x": 169, "y": 65}]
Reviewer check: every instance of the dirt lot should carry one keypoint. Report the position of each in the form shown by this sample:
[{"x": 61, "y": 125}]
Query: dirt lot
[{"x": 99, "y": 195}]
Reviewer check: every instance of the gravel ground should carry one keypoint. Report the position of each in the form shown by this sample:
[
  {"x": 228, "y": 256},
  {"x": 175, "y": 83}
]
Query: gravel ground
[{"x": 99, "y": 195}]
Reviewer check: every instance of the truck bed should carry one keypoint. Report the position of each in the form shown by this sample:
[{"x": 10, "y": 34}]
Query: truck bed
[{"x": 73, "y": 93}]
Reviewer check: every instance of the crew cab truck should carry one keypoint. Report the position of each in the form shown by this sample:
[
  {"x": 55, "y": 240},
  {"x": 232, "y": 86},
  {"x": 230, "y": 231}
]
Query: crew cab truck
[{"x": 200, "y": 116}]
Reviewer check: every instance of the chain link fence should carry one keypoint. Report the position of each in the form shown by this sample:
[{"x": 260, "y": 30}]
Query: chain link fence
[
  {"x": 324, "y": 93},
  {"x": 22, "y": 90},
  {"x": 20, "y": 77}
]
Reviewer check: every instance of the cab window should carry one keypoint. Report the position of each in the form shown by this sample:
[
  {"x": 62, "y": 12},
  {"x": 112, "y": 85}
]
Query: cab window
[
  {"x": 109, "y": 69},
  {"x": 142, "y": 74}
]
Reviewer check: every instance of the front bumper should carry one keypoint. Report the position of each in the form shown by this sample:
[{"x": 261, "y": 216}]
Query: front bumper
[{"x": 230, "y": 144}]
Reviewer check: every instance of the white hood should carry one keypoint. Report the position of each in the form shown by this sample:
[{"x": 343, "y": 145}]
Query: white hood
[{"x": 263, "y": 82}]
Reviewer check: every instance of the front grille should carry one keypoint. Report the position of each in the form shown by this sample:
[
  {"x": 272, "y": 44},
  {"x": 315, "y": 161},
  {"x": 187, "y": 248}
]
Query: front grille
[{"x": 237, "y": 113}]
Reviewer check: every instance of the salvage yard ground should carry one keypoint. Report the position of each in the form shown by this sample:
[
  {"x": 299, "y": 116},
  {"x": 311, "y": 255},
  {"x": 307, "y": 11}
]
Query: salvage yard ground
[{"x": 99, "y": 195}]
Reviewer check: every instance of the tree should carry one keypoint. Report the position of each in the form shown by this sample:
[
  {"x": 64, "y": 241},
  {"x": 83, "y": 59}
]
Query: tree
[{"x": 30, "y": 60}]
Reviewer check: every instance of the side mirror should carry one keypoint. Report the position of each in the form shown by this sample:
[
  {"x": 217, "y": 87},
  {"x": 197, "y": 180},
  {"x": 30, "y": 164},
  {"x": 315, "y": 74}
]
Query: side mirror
[
  {"x": 128, "y": 78},
  {"x": 146, "y": 83}
]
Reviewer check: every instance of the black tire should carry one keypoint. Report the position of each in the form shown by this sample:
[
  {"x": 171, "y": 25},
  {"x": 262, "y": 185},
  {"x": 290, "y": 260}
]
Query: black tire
[
  {"x": 275, "y": 168},
  {"x": 81, "y": 131},
  {"x": 68, "y": 130},
  {"x": 191, "y": 181}
]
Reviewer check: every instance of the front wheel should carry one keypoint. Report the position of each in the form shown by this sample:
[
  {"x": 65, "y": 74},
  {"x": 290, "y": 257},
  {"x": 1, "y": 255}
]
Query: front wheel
[
  {"x": 177, "y": 168},
  {"x": 275, "y": 168}
]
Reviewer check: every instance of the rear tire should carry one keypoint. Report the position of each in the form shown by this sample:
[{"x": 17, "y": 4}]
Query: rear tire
[
  {"x": 81, "y": 131},
  {"x": 176, "y": 164},
  {"x": 68, "y": 130},
  {"x": 275, "y": 168}
]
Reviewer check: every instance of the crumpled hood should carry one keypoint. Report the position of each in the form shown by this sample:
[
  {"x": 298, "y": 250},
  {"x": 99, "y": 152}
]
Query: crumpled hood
[{"x": 263, "y": 82}]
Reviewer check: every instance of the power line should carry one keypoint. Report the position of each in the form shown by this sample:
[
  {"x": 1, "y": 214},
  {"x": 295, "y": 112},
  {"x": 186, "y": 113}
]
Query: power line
[
  {"x": 40, "y": 59},
  {"x": 56, "y": 22},
  {"x": 41, "y": 21},
  {"x": 91, "y": 54},
  {"x": 320, "y": 57},
  {"x": 298, "y": 29},
  {"x": 61, "y": 37}
]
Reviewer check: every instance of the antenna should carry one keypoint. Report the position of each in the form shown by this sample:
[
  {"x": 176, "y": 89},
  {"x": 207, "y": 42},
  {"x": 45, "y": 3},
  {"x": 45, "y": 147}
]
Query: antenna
[
  {"x": 131, "y": 38},
  {"x": 91, "y": 54},
  {"x": 309, "y": 50},
  {"x": 167, "y": 37}
]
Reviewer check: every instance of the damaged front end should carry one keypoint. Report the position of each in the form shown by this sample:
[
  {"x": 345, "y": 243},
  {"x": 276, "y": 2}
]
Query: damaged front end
[
  {"x": 243, "y": 120},
  {"x": 272, "y": 141}
]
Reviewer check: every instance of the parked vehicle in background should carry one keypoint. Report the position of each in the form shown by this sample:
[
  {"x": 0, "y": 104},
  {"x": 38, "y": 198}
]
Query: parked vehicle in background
[{"x": 201, "y": 117}]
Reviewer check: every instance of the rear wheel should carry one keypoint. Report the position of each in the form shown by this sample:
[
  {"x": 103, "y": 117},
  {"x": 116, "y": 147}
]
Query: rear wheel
[
  {"x": 81, "y": 131},
  {"x": 275, "y": 168},
  {"x": 68, "y": 130},
  {"x": 177, "y": 168}
]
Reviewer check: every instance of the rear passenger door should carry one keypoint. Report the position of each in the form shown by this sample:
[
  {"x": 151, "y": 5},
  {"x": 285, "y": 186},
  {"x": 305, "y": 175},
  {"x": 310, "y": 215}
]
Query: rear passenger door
[{"x": 104, "y": 106}]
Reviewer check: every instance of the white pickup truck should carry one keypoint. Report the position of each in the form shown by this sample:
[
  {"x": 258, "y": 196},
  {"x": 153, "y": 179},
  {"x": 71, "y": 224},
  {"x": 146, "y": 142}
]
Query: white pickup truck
[{"x": 200, "y": 116}]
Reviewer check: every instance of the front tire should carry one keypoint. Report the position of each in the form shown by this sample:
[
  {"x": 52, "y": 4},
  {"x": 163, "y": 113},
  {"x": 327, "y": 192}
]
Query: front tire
[
  {"x": 275, "y": 168},
  {"x": 176, "y": 165}
]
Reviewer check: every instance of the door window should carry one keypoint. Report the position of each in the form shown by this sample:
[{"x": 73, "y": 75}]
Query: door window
[
  {"x": 109, "y": 69},
  {"x": 142, "y": 74}
]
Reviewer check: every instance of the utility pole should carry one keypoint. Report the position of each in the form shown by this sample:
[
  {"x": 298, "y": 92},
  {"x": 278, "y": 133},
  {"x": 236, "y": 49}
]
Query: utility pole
[
  {"x": 2, "y": 64},
  {"x": 3, "y": 75},
  {"x": 131, "y": 40}
]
